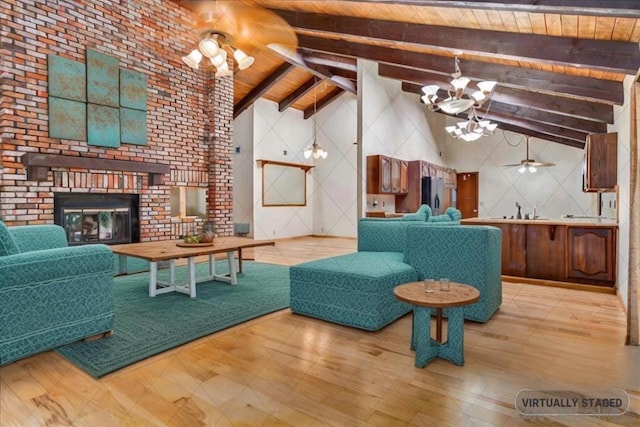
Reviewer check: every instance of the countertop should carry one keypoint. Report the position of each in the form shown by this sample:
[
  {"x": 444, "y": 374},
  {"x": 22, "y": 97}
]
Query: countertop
[{"x": 580, "y": 222}]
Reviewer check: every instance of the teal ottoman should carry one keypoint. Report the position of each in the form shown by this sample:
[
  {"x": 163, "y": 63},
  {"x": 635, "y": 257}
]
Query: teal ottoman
[{"x": 354, "y": 289}]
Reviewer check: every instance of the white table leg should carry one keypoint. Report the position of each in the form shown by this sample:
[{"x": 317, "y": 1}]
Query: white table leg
[
  {"x": 153, "y": 278},
  {"x": 172, "y": 272},
  {"x": 192, "y": 277},
  {"x": 232, "y": 267},
  {"x": 212, "y": 265}
]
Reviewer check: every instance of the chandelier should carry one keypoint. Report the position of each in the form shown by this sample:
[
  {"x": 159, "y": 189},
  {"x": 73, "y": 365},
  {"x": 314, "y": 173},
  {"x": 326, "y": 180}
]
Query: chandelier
[
  {"x": 212, "y": 46},
  {"x": 457, "y": 101},
  {"x": 471, "y": 130},
  {"x": 314, "y": 149}
]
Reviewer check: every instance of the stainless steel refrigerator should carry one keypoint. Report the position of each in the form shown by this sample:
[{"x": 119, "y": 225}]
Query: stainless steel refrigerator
[{"x": 433, "y": 194}]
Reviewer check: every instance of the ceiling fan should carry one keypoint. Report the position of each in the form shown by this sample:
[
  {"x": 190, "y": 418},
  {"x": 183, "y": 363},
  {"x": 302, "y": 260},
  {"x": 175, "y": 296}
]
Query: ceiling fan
[
  {"x": 241, "y": 27},
  {"x": 528, "y": 164}
]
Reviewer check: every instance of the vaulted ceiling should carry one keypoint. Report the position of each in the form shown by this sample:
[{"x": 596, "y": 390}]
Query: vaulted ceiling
[{"x": 560, "y": 65}]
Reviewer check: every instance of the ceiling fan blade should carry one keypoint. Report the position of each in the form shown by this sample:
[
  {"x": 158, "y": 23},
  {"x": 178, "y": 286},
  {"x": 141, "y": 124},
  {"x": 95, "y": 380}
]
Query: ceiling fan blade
[
  {"x": 512, "y": 165},
  {"x": 245, "y": 25}
]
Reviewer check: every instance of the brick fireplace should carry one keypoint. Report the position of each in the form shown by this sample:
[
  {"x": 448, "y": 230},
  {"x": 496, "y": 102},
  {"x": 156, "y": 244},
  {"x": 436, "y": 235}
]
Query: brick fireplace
[{"x": 189, "y": 119}]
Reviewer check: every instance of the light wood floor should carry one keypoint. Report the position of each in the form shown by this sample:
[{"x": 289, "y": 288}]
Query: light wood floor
[{"x": 290, "y": 370}]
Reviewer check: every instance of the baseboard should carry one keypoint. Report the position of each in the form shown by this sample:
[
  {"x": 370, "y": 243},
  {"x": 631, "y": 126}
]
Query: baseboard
[{"x": 559, "y": 284}]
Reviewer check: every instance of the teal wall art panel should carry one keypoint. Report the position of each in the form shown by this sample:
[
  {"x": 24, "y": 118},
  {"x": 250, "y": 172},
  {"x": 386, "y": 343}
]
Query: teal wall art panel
[
  {"x": 103, "y": 126},
  {"x": 67, "y": 119},
  {"x": 133, "y": 89},
  {"x": 103, "y": 79},
  {"x": 133, "y": 126},
  {"x": 67, "y": 78}
]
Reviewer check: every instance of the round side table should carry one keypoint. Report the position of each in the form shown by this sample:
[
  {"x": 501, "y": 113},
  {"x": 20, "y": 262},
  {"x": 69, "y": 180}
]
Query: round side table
[{"x": 454, "y": 300}]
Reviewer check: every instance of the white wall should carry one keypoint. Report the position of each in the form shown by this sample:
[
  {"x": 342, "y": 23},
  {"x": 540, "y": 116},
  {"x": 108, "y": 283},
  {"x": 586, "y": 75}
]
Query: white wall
[
  {"x": 393, "y": 124},
  {"x": 622, "y": 125},
  {"x": 243, "y": 166},
  {"x": 335, "y": 178},
  {"x": 556, "y": 190},
  {"x": 283, "y": 136}
]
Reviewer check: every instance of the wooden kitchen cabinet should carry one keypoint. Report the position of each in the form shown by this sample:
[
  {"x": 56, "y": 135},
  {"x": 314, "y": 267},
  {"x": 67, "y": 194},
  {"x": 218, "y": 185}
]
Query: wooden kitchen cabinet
[
  {"x": 546, "y": 249},
  {"x": 600, "y": 169},
  {"x": 386, "y": 175},
  {"x": 378, "y": 174},
  {"x": 514, "y": 249},
  {"x": 591, "y": 254},
  {"x": 556, "y": 251}
]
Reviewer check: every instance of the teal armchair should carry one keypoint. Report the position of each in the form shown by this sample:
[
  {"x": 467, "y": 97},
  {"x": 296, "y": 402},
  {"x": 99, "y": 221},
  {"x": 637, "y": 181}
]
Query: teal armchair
[{"x": 51, "y": 294}]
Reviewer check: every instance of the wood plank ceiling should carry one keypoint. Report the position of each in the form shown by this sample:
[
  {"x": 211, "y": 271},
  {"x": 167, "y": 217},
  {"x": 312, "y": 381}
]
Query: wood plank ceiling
[{"x": 559, "y": 65}]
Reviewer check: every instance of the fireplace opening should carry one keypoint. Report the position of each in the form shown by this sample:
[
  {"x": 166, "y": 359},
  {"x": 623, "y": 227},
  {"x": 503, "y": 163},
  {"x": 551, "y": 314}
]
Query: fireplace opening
[{"x": 98, "y": 218}]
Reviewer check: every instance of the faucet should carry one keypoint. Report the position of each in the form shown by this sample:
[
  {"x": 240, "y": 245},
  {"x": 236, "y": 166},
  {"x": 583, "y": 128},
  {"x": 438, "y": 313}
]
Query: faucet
[
  {"x": 519, "y": 216},
  {"x": 535, "y": 211}
]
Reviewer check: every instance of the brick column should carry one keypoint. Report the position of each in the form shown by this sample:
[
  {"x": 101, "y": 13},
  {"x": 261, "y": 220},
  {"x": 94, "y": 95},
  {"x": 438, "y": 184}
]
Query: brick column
[{"x": 220, "y": 150}]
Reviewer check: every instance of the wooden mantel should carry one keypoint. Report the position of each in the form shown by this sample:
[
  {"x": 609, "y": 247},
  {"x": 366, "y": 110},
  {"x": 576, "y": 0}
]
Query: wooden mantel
[{"x": 38, "y": 164}]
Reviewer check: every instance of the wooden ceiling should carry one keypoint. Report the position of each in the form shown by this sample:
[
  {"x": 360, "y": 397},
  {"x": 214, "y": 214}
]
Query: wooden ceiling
[{"x": 559, "y": 64}]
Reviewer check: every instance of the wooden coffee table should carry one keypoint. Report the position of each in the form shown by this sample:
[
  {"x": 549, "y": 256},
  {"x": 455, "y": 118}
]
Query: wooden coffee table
[
  {"x": 454, "y": 301},
  {"x": 169, "y": 250}
]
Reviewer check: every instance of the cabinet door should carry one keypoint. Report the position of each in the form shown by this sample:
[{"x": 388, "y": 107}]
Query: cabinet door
[
  {"x": 591, "y": 255},
  {"x": 378, "y": 174},
  {"x": 546, "y": 246},
  {"x": 404, "y": 177},
  {"x": 601, "y": 162},
  {"x": 395, "y": 176},
  {"x": 514, "y": 249},
  {"x": 385, "y": 174}
]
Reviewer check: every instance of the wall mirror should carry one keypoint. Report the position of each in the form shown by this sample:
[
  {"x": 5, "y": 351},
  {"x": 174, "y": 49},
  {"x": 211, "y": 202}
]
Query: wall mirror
[{"x": 284, "y": 184}]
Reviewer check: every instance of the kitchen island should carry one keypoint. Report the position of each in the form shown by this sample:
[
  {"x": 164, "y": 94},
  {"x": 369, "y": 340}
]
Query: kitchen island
[{"x": 568, "y": 252}]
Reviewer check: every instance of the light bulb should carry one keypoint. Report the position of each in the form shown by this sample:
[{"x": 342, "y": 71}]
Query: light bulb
[
  {"x": 209, "y": 47},
  {"x": 193, "y": 59},
  {"x": 220, "y": 59},
  {"x": 307, "y": 153},
  {"x": 244, "y": 61},
  {"x": 522, "y": 169}
]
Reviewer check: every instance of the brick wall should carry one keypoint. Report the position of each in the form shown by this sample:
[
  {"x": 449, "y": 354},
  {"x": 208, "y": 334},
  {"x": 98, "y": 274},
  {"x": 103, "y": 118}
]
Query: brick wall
[{"x": 148, "y": 36}]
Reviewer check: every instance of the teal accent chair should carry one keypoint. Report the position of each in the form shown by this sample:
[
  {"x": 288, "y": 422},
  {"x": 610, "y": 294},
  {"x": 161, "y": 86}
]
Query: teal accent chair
[
  {"x": 51, "y": 294},
  {"x": 466, "y": 254}
]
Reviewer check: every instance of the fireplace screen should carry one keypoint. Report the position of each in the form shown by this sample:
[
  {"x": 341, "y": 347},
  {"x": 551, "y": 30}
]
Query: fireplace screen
[
  {"x": 98, "y": 218},
  {"x": 97, "y": 225}
]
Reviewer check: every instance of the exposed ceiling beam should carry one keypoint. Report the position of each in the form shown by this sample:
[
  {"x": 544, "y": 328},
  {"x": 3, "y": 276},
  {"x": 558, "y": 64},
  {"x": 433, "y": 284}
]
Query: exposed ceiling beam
[
  {"x": 261, "y": 88},
  {"x": 604, "y": 55},
  {"x": 543, "y": 128},
  {"x": 330, "y": 60},
  {"x": 547, "y": 137},
  {"x": 294, "y": 57},
  {"x": 299, "y": 93},
  {"x": 323, "y": 102},
  {"x": 587, "y": 126},
  {"x": 617, "y": 8}
]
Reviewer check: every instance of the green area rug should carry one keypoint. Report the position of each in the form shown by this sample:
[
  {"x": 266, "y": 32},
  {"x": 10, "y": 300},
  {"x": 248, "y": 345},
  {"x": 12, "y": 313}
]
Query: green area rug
[{"x": 147, "y": 326}]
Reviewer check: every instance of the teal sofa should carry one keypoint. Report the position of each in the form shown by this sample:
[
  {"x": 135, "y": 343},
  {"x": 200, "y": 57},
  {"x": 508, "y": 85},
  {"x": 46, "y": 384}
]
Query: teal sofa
[
  {"x": 51, "y": 294},
  {"x": 357, "y": 289}
]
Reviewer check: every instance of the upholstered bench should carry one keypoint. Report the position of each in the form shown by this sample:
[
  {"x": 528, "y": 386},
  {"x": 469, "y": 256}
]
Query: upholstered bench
[{"x": 354, "y": 289}]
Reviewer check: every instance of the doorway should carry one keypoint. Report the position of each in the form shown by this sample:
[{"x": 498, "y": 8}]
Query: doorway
[{"x": 467, "y": 185}]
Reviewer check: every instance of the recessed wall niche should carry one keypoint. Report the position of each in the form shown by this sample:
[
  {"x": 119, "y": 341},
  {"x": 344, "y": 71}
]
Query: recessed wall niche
[{"x": 98, "y": 102}]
